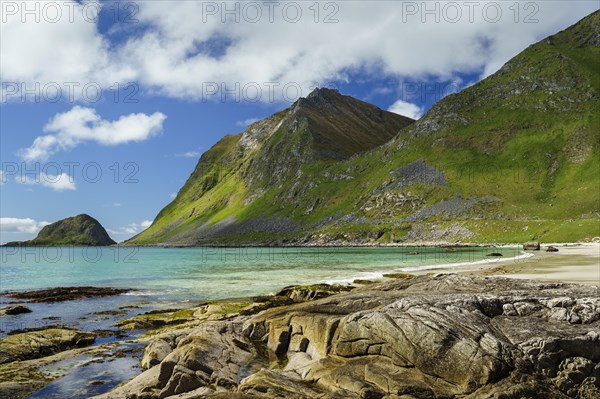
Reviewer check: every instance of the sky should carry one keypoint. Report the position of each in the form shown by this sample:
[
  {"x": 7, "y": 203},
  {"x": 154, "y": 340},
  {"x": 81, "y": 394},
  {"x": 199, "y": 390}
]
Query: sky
[{"x": 106, "y": 107}]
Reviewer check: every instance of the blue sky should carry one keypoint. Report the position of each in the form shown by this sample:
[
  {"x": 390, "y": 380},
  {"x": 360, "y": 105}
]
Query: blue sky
[{"x": 168, "y": 57}]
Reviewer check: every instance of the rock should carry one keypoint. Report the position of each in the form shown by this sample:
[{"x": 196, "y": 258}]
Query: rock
[
  {"x": 494, "y": 254},
  {"x": 398, "y": 275},
  {"x": 14, "y": 310},
  {"x": 65, "y": 294},
  {"x": 36, "y": 344},
  {"x": 531, "y": 246},
  {"x": 17, "y": 390},
  {"x": 155, "y": 353},
  {"x": 359, "y": 281},
  {"x": 302, "y": 293},
  {"x": 551, "y": 249},
  {"x": 268, "y": 384},
  {"x": 431, "y": 336}
]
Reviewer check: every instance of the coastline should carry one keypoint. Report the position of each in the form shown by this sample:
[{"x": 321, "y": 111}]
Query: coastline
[
  {"x": 574, "y": 263},
  {"x": 124, "y": 332}
]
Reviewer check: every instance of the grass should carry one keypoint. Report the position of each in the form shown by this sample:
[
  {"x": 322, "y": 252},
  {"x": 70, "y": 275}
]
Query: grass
[{"x": 527, "y": 138}]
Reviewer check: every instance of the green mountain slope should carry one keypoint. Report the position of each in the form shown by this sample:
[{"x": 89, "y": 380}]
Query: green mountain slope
[
  {"x": 512, "y": 158},
  {"x": 81, "y": 230}
]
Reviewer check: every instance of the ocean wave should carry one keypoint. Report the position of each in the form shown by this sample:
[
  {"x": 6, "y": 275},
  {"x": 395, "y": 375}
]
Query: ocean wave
[
  {"x": 144, "y": 293},
  {"x": 378, "y": 275}
]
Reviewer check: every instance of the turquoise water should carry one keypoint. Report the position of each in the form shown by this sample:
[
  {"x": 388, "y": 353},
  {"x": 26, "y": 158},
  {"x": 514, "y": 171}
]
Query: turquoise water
[
  {"x": 180, "y": 274},
  {"x": 180, "y": 278}
]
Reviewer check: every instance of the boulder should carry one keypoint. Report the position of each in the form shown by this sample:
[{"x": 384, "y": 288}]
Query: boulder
[
  {"x": 531, "y": 246},
  {"x": 431, "y": 336},
  {"x": 14, "y": 310},
  {"x": 155, "y": 353},
  {"x": 551, "y": 249}
]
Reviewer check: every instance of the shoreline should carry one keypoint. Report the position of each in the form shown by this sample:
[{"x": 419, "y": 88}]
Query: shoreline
[
  {"x": 416, "y": 244},
  {"x": 574, "y": 263},
  {"x": 141, "y": 327}
]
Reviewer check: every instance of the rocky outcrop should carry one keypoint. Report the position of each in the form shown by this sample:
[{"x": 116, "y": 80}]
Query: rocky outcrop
[
  {"x": 36, "y": 344},
  {"x": 61, "y": 294},
  {"x": 443, "y": 336},
  {"x": 14, "y": 310}
]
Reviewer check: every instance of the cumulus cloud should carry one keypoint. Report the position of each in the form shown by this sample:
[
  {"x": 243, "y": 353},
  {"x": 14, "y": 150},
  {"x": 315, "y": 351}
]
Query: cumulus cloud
[
  {"x": 72, "y": 49},
  {"x": 176, "y": 57},
  {"x": 404, "y": 108},
  {"x": 179, "y": 47},
  {"x": 131, "y": 229},
  {"x": 62, "y": 182},
  {"x": 246, "y": 122},
  {"x": 189, "y": 154},
  {"x": 80, "y": 124},
  {"x": 16, "y": 225}
]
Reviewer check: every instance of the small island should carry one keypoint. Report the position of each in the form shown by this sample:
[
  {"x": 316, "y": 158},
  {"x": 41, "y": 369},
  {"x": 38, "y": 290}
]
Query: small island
[{"x": 80, "y": 230}]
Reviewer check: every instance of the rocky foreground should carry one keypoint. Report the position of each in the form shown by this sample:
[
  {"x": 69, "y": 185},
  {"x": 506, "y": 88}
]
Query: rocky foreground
[{"x": 442, "y": 336}]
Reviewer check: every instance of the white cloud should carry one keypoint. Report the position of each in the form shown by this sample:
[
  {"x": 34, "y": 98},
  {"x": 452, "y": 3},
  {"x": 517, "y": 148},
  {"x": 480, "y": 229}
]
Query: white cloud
[
  {"x": 406, "y": 109},
  {"x": 60, "y": 47},
  {"x": 146, "y": 223},
  {"x": 16, "y": 225},
  {"x": 246, "y": 122},
  {"x": 175, "y": 52},
  {"x": 131, "y": 229},
  {"x": 189, "y": 154},
  {"x": 2, "y": 177},
  {"x": 71, "y": 128},
  {"x": 117, "y": 204},
  {"x": 173, "y": 195},
  {"x": 62, "y": 182},
  {"x": 379, "y": 36}
]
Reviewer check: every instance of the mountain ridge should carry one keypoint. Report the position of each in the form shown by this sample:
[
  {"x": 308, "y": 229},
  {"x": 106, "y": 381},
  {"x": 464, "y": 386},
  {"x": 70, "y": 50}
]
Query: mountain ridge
[{"x": 511, "y": 158}]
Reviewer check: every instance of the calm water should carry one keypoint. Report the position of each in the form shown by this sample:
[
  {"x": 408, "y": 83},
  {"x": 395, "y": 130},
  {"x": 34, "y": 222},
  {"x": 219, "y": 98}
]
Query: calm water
[
  {"x": 177, "y": 278},
  {"x": 183, "y": 277},
  {"x": 178, "y": 274}
]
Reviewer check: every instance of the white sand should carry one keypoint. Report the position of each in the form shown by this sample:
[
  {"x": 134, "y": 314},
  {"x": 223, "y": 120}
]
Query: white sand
[{"x": 574, "y": 263}]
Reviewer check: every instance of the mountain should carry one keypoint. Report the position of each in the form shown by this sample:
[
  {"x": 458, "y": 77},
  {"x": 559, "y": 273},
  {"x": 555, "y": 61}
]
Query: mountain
[
  {"x": 81, "y": 230},
  {"x": 514, "y": 157}
]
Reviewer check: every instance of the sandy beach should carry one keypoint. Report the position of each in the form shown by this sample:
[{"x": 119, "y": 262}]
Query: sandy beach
[{"x": 573, "y": 263}]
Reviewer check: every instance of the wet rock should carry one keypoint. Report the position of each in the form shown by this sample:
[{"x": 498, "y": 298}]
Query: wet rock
[
  {"x": 433, "y": 336},
  {"x": 398, "y": 275},
  {"x": 36, "y": 344},
  {"x": 494, "y": 254},
  {"x": 300, "y": 293},
  {"x": 14, "y": 310},
  {"x": 65, "y": 294},
  {"x": 551, "y": 249}
]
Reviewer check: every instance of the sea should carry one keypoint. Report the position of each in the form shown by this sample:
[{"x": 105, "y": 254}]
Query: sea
[{"x": 175, "y": 278}]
